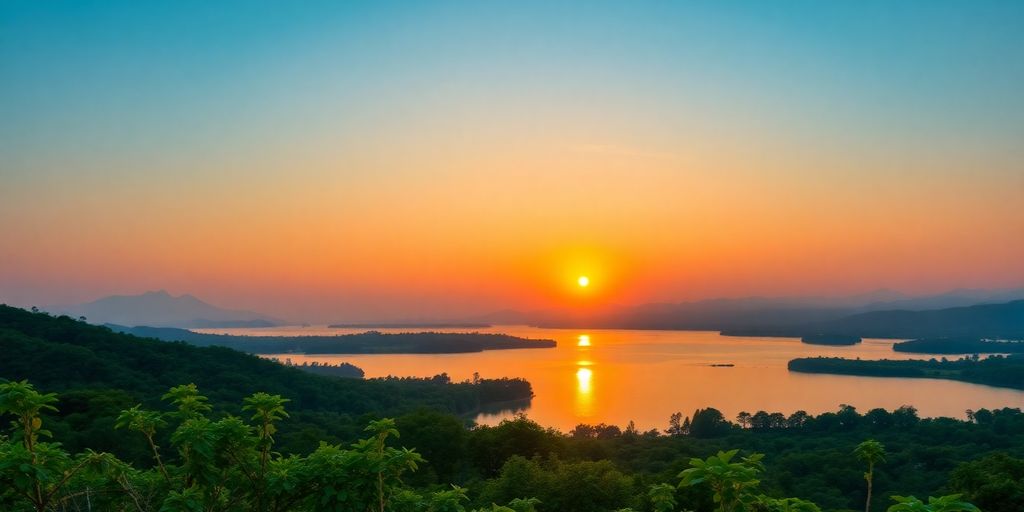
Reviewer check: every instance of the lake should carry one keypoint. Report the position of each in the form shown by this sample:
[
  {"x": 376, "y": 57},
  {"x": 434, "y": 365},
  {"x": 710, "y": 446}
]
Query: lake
[{"x": 615, "y": 376}]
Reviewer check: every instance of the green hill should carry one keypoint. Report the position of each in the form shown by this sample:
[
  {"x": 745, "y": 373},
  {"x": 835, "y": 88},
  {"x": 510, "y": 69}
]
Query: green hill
[{"x": 97, "y": 370}]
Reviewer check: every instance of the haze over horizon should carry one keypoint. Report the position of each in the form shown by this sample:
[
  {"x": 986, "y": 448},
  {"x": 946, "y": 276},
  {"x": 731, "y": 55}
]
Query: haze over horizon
[{"x": 391, "y": 161}]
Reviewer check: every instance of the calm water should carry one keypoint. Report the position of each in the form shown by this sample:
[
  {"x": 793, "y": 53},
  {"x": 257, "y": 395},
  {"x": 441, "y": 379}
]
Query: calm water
[{"x": 614, "y": 376}]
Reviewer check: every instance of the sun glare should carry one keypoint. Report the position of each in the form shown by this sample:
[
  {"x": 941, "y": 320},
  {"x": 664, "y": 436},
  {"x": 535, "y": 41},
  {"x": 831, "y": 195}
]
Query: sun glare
[
  {"x": 583, "y": 378},
  {"x": 583, "y": 340},
  {"x": 583, "y": 281}
]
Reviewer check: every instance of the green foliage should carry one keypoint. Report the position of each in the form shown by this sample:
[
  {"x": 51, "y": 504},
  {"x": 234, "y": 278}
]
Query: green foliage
[
  {"x": 994, "y": 483},
  {"x": 732, "y": 483},
  {"x": 768, "y": 504},
  {"x": 21, "y": 400},
  {"x": 98, "y": 372},
  {"x": 226, "y": 464},
  {"x": 1004, "y": 371},
  {"x": 233, "y": 450},
  {"x": 561, "y": 486},
  {"x": 949, "y": 503},
  {"x": 662, "y": 497},
  {"x": 870, "y": 452}
]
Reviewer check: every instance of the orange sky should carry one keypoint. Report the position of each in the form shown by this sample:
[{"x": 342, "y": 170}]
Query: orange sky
[{"x": 372, "y": 165}]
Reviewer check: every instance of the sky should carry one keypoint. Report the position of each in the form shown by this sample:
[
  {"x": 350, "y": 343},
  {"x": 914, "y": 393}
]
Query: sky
[{"x": 331, "y": 161}]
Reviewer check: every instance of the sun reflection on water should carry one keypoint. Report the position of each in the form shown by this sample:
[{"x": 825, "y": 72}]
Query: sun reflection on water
[
  {"x": 583, "y": 340},
  {"x": 584, "y": 389}
]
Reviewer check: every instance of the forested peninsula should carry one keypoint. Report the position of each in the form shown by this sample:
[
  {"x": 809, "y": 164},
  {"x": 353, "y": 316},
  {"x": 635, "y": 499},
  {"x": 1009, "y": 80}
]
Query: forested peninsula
[
  {"x": 998, "y": 371},
  {"x": 960, "y": 345},
  {"x": 370, "y": 342}
]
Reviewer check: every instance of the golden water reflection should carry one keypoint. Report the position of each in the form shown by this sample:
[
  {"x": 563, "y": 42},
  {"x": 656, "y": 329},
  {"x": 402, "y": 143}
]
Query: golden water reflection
[
  {"x": 584, "y": 390},
  {"x": 583, "y": 340},
  {"x": 636, "y": 375}
]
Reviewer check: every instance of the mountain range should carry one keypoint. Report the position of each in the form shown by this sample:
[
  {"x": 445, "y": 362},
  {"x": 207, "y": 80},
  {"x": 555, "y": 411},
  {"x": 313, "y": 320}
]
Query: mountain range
[
  {"x": 748, "y": 314},
  {"x": 161, "y": 309},
  {"x": 1004, "y": 321}
]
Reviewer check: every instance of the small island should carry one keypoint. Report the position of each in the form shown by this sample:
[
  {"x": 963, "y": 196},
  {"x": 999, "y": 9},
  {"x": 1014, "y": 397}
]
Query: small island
[
  {"x": 830, "y": 339},
  {"x": 342, "y": 370},
  {"x": 999, "y": 371}
]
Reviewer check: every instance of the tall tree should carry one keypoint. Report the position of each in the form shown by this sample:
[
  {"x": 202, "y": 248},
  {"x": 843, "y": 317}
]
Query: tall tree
[{"x": 872, "y": 452}]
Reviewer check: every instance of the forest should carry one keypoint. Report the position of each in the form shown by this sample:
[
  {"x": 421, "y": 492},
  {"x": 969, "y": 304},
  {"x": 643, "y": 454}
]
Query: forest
[
  {"x": 960, "y": 345},
  {"x": 830, "y": 339},
  {"x": 997, "y": 370},
  {"x": 148, "y": 425}
]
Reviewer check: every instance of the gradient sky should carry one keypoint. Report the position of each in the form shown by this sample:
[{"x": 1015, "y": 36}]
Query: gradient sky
[{"x": 384, "y": 160}]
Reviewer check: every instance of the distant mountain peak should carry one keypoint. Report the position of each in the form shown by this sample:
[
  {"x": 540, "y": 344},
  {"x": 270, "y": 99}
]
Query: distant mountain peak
[{"x": 158, "y": 308}]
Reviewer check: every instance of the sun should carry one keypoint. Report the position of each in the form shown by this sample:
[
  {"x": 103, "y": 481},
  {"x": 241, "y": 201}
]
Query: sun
[{"x": 583, "y": 281}]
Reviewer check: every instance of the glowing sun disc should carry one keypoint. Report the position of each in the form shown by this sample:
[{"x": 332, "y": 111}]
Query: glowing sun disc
[{"x": 583, "y": 281}]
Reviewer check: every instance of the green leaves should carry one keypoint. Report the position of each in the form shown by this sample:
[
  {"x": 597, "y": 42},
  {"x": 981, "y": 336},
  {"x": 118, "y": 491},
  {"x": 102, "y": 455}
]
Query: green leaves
[
  {"x": 21, "y": 399},
  {"x": 950, "y": 503},
  {"x": 187, "y": 399},
  {"x": 767, "y": 504},
  {"x": 662, "y": 497},
  {"x": 870, "y": 451},
  {"x": 224, "y": 463},
  {"x": 140, "y": 420},
  {"x": 731, "y": 482},
  {"x": 266, "y": 409}
]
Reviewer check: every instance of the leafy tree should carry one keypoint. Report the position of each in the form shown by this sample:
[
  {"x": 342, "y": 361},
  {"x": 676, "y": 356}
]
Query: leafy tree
[
  {"x": 731, "y": 483},
  {"x": 675, "y": 427},
  {"x": 870, "y": 452},
  {"x": 767, "y": 504},
  {"x": 995, "y": 483},
  {"x": 662, "y": 497},
  {"x": 743, "y": 418},
  {"x": 950, "y": 503},
  {"x": 146, "y": 423},
  {"x": 39, "y": 472},
  {"x": 708, "y": 423}
]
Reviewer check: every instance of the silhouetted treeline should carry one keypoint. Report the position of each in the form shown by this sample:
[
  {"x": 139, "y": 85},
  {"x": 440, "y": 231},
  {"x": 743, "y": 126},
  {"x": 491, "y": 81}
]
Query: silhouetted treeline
[
  {"x": 410, "y": 325},
  {"x": 1000, "y": 371},
  {"x": 346, "y": 370},
  {"x": 959, "y": 345},
  {"x": 830, "y": 339},
  {"x": 370, "y": 342}
]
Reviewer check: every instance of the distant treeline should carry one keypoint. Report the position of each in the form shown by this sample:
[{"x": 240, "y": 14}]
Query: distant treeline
[
  {"x": 993, "y": 371},
  {"x": 830, "y": 339},
  {"x": 370, "y": 342},
  {"x": 490, "y": 391},
  {"x": 410, "y": 325},
  {"x": 346, "y": 370},
  {"x": 962, "y": 345}
]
